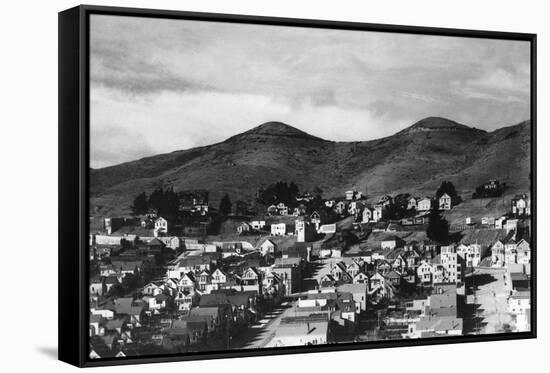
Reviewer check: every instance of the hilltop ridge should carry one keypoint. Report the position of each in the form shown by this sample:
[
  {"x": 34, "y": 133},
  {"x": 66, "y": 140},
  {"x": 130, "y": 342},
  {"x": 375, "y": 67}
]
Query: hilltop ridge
[{"x": 414, "y": 160}]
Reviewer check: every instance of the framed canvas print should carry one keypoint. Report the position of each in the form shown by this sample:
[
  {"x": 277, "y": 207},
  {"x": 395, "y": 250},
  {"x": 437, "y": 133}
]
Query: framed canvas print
[{"x": 234, "y": 186}]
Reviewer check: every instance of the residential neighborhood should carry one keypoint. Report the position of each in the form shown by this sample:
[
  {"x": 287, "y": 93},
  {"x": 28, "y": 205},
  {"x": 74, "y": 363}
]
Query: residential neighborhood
[{"x": 299, "y": 269}]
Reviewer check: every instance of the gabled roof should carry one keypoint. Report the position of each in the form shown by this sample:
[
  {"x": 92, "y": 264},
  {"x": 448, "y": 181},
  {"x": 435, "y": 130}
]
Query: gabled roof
[
  {"x": 155, "y": 242},
  {"x": 392, "y": 275}
]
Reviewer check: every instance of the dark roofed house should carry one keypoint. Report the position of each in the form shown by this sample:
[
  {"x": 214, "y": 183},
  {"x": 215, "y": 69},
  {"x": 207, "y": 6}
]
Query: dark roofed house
[
  {"x": 131, "y": 307},
  {"x": 520, "y": 280}
]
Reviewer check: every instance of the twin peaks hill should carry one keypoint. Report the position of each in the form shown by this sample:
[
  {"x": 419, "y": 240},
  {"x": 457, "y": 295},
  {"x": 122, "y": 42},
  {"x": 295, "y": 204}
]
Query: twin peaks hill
[{"x": 414, "y": 160}]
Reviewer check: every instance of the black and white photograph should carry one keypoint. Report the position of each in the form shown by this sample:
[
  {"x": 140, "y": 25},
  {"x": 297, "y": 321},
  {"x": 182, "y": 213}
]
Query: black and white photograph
[{"x": 261, "y": 186}]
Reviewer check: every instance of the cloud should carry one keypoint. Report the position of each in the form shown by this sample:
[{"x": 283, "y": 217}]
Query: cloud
[{"x": 174, "y": 84}]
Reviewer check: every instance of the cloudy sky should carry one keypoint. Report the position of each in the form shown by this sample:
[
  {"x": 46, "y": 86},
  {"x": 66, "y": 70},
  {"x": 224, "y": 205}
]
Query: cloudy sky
[{"x": 161, "y": 85}]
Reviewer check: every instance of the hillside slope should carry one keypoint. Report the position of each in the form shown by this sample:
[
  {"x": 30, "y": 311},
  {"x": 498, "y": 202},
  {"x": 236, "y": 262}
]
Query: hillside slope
[{"x": 414, "y": 160}]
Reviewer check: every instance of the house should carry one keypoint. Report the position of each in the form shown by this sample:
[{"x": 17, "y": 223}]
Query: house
[
  {"x": 354, "y": 267},
  {"x": 212, "y": 316},
  {"x": 353, "y": 195},
  {"x": 445, "y": 202},
  {"x": 367, "y": 215},
  {"x": 385, "y": 200},
  {"x": 299, "y": 210},
  {"x": 378, "y": 287},
  {"x": 301, "y": 331},
  {"x": 218, "y": 277},
  {"x": 272, "y": 210},
  {"x": 203, "y": 280},
  {"x": 339, "y": 273},
  {"x": 412, "y": 203},
  {"x": 257, "y": 224},
  {"x": 390, "y": 242},
  {"x": 340, "y": 207},
  {"x": 289, "y": 271},
  {"x": 523, "y": 250},
  {"x": 304, "y": 230},
  {"x": 97, "y": 287},
  {"x": 278, "y": 229},
  {"x": 510, "y": 251},
  {"x": 315, "y": 218},
  {"x": 327, "y": 229},
  {"x": 184, "y": 300},
  {"x": 154, "y": 246},
  {"x": 377, "y": 213},
  {"x": 471, "y": 254},
  {"x": 393, "y": 278},
  {"x": 449, "y": 259},
  {"x": 521, "y": 205},
  {"x": 511, "y": 225},
  {"x": 244, "y": 227},
  {"x": 359, "y": 293},
  {"x": 499, "y": 223},
  {"x": 251, "y": 279},
  {"x": 152, "y": 289},
  {"x": 425, "y": 204},
  {"x": 129, "y": 306},
  {"x": 519, "y": 305},
  {"x": 161, "y": 226},
  {"x": 498, "y": 258},
  {"x": 268, "y": 247},
  {"x": 282, "y": 209},
  {"x": 353, "y": 208},
  {"x": 190, "y": 263},
  {"x": 187, "y": 283},
  {"x": 424, "y": 272},
  {"x": 330, "y": 203},
  {"x": 156, "y": 303},
  {"x": 488, "y": 220},
  {"x": 439, "y": 315},
  {"x": 361, "y": 278}
]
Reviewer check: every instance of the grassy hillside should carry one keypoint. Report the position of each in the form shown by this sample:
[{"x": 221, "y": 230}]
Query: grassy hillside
[{"x": 414, "y": 160}]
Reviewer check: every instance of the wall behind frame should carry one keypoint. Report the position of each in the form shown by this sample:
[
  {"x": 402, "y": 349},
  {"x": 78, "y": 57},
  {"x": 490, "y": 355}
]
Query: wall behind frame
[{"x": 29, "y": 164}]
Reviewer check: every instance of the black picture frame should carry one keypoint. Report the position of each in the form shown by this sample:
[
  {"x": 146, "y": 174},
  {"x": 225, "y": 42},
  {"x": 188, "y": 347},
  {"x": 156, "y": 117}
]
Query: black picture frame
[{"x": 74, "y": 165}]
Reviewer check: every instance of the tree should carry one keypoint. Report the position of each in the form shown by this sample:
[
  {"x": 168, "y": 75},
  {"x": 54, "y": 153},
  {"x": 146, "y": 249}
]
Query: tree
[
  {"x": 446, "y": 187},
  {"x": 438, "y": 227},
  {"x": 242, "y": 208},
  {"x": 225, "y": 206},
  {"x": 140, "y": 205}
]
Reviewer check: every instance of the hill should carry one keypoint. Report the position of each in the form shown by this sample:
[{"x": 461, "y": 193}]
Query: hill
[{"x": 414, "y": 160}]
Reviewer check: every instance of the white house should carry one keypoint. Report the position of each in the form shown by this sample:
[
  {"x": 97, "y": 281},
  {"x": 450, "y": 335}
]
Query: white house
[
  {"x": 278, "y": 229},
  {"x": 523, "y": 250},
  {"x": 282, "y": 208},
  {"x": 424, "y": 204},
  {"x": 218, "y": 277},
  {"x": 388, "y": 243},
  {"x": 499, "y": 223},
  {"x": 471, "y": 254},
  {"x": 257, "y": 224},
  {"x": 327, "y": 228},
  {"x": 424, "y": 272},
  {"x": 521, "y": 205},
  {"x": 377, "y": 213},
  {"x": 244, "y": 227},
  {"x": 161, "y": 226},
  {"x": 367, "y": 215},
  {"x": 445, "y": 202},
  {"x": 412, "y": 203},
  {"x": 268, "y": 247},
  {"x": 449, "y": 260},
  {"x": 498, "y": 254},
  {"x": 315, "y": 219},
  {"x": 511, "y": 225}
]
